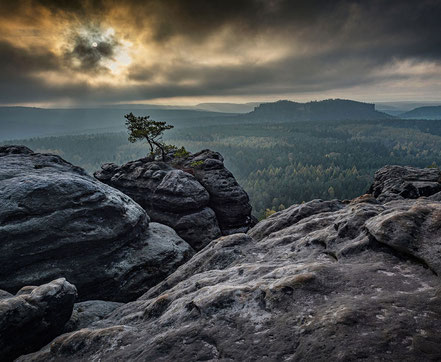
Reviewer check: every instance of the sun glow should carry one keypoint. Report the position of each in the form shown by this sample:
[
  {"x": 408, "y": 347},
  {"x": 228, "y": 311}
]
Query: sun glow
[
  {"x": 94, "y": 47},
  {"x": 122, "y": 58}
]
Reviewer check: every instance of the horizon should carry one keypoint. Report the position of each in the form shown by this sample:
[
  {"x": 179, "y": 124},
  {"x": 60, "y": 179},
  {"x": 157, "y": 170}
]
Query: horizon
[{"x": 405, "y": 105}]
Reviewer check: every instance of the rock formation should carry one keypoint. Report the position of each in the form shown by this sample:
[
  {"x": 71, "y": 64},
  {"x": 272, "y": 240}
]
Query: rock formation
[
  {"x": 55, "y": 220},
  {"x": 399, "y": 182},
  {"x": 34, "y": 317},
  {"x": 195, "y": 195},
  {"x": 324, "y": 280}
]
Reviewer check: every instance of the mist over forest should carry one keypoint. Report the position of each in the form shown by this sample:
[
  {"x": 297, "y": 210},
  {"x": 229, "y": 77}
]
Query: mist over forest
[{"x": 281, "y": 153}]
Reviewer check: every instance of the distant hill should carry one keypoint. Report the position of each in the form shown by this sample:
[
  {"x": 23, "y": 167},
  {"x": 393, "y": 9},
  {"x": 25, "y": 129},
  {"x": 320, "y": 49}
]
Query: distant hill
[
  {"x": 331, "y": 109},
  {"x": 389, "y": 109},
  {"x": 26, "y": 122},
  {"x": 228, "y": 107},
  {"x": 433, "y": 112},
  {"x": 396, "y": 108}
]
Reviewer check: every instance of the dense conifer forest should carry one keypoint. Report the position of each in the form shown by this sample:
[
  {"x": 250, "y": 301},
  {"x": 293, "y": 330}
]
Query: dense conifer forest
[{"x": 278, "y": 164}]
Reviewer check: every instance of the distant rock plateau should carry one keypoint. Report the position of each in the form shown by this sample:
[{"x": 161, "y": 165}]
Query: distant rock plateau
[{"x": 326, "y": 110}]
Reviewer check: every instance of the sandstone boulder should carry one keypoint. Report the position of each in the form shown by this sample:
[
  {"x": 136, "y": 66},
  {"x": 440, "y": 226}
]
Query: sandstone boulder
[
  {"x": 404, "y": 182},
  {"x": 56, "y": 220},
  {"x": 31, "y": 319}
]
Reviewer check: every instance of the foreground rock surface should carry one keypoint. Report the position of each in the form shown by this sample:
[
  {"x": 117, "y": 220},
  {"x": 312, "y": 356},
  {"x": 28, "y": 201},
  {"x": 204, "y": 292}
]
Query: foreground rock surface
[
  {"x": 34, "y": 317},
  {"x": 195, "y": 195},
  {"x": 55, "y": 220},
  {"x": 325, "y": 280}
]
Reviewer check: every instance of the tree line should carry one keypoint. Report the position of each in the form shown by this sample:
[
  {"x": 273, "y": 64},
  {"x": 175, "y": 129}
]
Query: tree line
[{"x": 278, "y": 164}]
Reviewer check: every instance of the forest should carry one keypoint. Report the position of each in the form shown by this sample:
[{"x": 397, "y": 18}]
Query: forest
[{"x": 278, "y": 164}]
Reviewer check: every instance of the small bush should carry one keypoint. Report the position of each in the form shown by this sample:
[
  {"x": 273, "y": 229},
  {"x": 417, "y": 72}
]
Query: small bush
[
  {"x": 197, "y": 164},
  {"x": 182, "y": 152}
]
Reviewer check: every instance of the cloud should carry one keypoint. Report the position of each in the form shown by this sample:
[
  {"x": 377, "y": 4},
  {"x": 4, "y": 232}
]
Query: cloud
[
  {"x": 88, "y": 47},
  {"x": 18, "y": 62},
  {"x": 54, "y": 50}
]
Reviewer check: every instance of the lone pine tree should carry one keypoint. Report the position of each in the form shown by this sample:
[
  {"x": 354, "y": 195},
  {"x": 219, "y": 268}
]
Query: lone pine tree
[{"x": 143, "y": 127}]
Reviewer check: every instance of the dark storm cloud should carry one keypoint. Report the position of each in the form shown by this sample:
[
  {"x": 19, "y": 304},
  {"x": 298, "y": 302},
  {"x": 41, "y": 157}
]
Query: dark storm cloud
[
  {"x": 33, "y": 9},
  {"x": 90, "y": 49},
  {"x": 331, "y": 45},
  {"x": 405, "y": 28},
  {"x": 287, "y": 76},
  {"x": 17, "y": 63},
  {"x": 410, "y": 27}
]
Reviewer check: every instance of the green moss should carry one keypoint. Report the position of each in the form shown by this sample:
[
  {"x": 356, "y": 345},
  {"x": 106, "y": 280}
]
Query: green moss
[{"x": 182, "y": 152}]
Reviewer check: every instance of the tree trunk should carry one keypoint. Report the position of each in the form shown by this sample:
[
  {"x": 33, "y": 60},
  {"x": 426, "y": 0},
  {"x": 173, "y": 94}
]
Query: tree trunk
[{"x": 150, "y": 144}]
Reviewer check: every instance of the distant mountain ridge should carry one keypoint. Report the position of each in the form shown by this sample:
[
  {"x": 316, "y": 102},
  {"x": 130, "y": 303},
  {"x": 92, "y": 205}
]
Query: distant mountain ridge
[
  {"x": 330, "y": 109},
  {"x": 228, "y": 107},
  {"x": 429, "y": 112},
  {"x": 26, "y": 122}
]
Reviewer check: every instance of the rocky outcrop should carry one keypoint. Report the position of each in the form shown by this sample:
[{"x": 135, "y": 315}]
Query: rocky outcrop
[
  {"x": 227, "y": 198},
  {"x": 403, "y": 182},
  {"x": 34, "y": 317},
  {"x": 325, "y": 280},
  {"x": 55, "y": 220},
  {"x": 411, "y": 228},
  {"x": 195, "y": 195}
]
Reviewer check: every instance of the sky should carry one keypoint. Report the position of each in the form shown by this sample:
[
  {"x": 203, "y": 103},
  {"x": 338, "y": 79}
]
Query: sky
[{"x": 70, "y": 53}]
